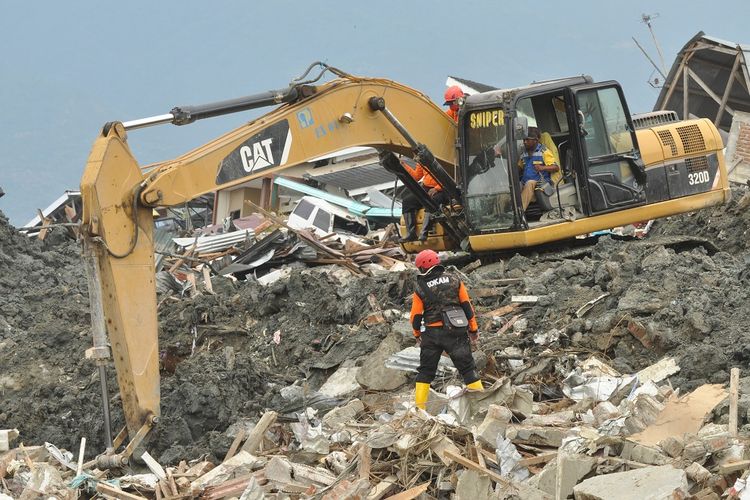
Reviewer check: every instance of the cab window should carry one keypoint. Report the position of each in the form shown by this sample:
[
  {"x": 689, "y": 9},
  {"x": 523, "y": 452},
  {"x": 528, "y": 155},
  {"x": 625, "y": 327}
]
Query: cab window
[
  {"x": 487, "y": 195},
  {"x": 604, "y": 122}
]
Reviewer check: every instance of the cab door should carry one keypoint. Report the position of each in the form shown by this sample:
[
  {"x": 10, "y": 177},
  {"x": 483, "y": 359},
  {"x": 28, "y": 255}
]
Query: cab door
[{"x": 608, "y": 169}]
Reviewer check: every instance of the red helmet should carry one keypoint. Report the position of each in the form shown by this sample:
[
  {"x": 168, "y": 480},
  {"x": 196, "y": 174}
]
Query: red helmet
[
  {"x": 426, "y": 259},
  {"x": 452, "y": 93}
]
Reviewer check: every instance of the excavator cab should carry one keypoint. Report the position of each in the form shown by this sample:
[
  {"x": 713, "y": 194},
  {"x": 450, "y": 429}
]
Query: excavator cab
[{"x": 610, "y": 173}]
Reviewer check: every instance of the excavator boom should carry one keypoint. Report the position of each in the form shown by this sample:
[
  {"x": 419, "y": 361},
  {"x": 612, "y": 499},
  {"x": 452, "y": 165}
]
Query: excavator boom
[{"x": 313, "y": 121}]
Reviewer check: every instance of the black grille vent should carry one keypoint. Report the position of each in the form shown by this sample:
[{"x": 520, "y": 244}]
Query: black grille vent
[
  {"x": 692, "y": 139},
  {"x": 668, "y": 140}
]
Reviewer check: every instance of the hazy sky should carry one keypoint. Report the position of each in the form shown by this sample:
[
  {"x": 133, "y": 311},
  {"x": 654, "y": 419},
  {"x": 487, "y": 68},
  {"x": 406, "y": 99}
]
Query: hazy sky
[{"x": 69, "y": 67}]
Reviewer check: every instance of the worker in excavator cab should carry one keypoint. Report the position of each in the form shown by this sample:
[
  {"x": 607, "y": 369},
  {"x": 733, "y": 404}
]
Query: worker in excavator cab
[
  {"x": 452, "y": 96},
  {"x": 537, "y": 163},
  {"x": 410, "y": 205},
  {"x": 441, "y": 305}
]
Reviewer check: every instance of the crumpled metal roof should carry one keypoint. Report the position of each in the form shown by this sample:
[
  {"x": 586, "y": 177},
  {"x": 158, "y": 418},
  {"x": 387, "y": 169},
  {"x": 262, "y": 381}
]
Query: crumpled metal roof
[{"x": 713, "y": 64}]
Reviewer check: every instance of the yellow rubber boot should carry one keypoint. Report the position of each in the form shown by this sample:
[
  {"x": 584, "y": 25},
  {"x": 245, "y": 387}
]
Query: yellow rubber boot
[
  {"x": 421, "y": 393},
  {"x": 475, "y": 386}
]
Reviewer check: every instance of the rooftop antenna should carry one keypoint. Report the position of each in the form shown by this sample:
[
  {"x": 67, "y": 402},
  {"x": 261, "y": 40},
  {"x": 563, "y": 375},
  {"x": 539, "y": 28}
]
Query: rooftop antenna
[
  {"x": 647, "y": 20},
  {"x": 654, "y": 82}
]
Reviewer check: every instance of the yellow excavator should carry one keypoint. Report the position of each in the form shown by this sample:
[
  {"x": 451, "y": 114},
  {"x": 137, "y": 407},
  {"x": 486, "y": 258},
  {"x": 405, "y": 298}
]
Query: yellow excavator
[{"x": 612, "y": 174}]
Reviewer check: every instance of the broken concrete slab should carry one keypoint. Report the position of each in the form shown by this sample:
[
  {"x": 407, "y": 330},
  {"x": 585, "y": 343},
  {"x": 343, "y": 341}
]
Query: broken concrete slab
[
  {"x": 374, "y": 375},
  {"x": 536, "y": 435},
  {"x": 242, "y": 463},
  {"x": 494, "y": 424},
  {"x": 473, "y": 486},
  {"x": 6, "y": 437},
  {"x": 642, "y": 454},
  {"x": 343, "y": 382},
  {"x": 649, "y": 483},
  {"x": 337, "y": 417},
  {"x": 696, "y": 472},
  {"x": 570, "y": 470}
]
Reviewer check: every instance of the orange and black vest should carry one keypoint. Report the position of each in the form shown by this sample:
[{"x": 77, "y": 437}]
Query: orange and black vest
[{"x": 437, "y": 289}]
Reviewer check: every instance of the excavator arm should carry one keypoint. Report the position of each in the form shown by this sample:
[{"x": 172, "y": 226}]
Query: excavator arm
[{"x": 117, "y": 196}]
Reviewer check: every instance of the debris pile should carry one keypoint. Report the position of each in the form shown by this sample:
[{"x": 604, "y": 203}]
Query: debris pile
[{"x": 605, "y": 372}]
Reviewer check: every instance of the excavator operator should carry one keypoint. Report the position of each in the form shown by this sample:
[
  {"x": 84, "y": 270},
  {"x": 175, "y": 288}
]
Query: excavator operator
[
  {"x": 442, "y": 303},
  {"x": 410, "y": 205}
]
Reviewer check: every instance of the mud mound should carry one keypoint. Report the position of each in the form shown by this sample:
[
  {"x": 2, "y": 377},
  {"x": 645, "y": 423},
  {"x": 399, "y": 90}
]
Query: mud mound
[
  {"x": 727, "y": 226},
  {"x": 227, "y": 356}
]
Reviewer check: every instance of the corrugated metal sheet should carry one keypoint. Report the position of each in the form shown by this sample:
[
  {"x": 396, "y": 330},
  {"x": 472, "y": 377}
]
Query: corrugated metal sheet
[
  {"x": 355, "y": 178},
  {"x": 162, "y": 244}
]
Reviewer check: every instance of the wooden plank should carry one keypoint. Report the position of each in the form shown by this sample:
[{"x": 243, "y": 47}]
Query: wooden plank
[
  {"x": 508, "y": 324},
  {"x": 476, "y": 467},
  {"x": 410, "y": 493},
  {"x": 207, "y": 279},
  {"x": 502, "y": 311},
  {"x": 233, "y": 487},
  {"x": 480, "y": 293},
  {"x": 539, "y": 459},
  {"x": 364, "y": 461},
  {"x": 731, "y": 467},
  {"x": 524, "y": 299},
  {"x": 110, "y": 491},
  {"x": 256, "y": 435},
  {"x": 236, "y": 443},
  {"x": 734, "y": 387},
  {"x": 45, "y": 225},
  {"x": 187, "y": 253}
]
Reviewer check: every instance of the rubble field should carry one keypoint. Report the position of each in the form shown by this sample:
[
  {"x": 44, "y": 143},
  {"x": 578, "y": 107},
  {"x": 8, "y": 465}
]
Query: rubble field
[{"x": 302, "y": 387}]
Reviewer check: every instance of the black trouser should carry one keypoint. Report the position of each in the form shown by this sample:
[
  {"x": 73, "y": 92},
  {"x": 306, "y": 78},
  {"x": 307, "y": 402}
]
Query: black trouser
[
  {"x": 435, "y": 340},
  {"x": 410, "y": 203}
]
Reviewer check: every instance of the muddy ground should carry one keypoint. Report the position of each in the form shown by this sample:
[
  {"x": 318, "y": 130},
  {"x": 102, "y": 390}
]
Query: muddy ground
[{"x": 220, "y": 363}]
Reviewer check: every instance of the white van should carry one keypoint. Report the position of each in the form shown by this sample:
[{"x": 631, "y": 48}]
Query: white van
[{"x": 325, "y": 218}]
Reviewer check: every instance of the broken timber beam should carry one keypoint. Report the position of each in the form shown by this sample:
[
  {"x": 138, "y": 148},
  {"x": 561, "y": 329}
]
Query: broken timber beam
[
  {"x": 256, "y": 435},
  {"x": 410, "y": 493},
  {"x": 109, "y": 491},
  {"x": 476, "y": 467}
]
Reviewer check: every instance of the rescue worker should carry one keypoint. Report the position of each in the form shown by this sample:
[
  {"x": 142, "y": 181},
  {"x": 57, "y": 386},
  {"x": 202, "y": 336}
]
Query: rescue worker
[
  {"x": 452, "y": 95},
  {"x": 436, "y": 291},
  {"x": 409, "y": 204},
  {"x": 537, "y": 163}
]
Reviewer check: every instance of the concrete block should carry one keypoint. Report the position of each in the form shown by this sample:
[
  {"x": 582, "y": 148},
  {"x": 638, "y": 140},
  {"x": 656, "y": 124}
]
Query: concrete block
[
  {"x": 343, "y": 414},
  {"x": 520, "y": 490},
  {"x": 374, "y": 375},
  {"x": 473, "y": 486},
  {"x": 605, "y": 411},
  {"x": 494, "y": 424},
  {"x": 695, "y": 451},
  {"x": 546, "y": 480},
  {"x": 672, "y": 446},
  {"x": 343, "y": 381},
  {"x": 696, "y": 472},
  {"x": 642, "y": 454},
  {"x": 541, "y": 436},
  {"x": 650, "y": 483},
  {"x": 6, "y": 437},
  {"x": 570, "y": 470}
]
